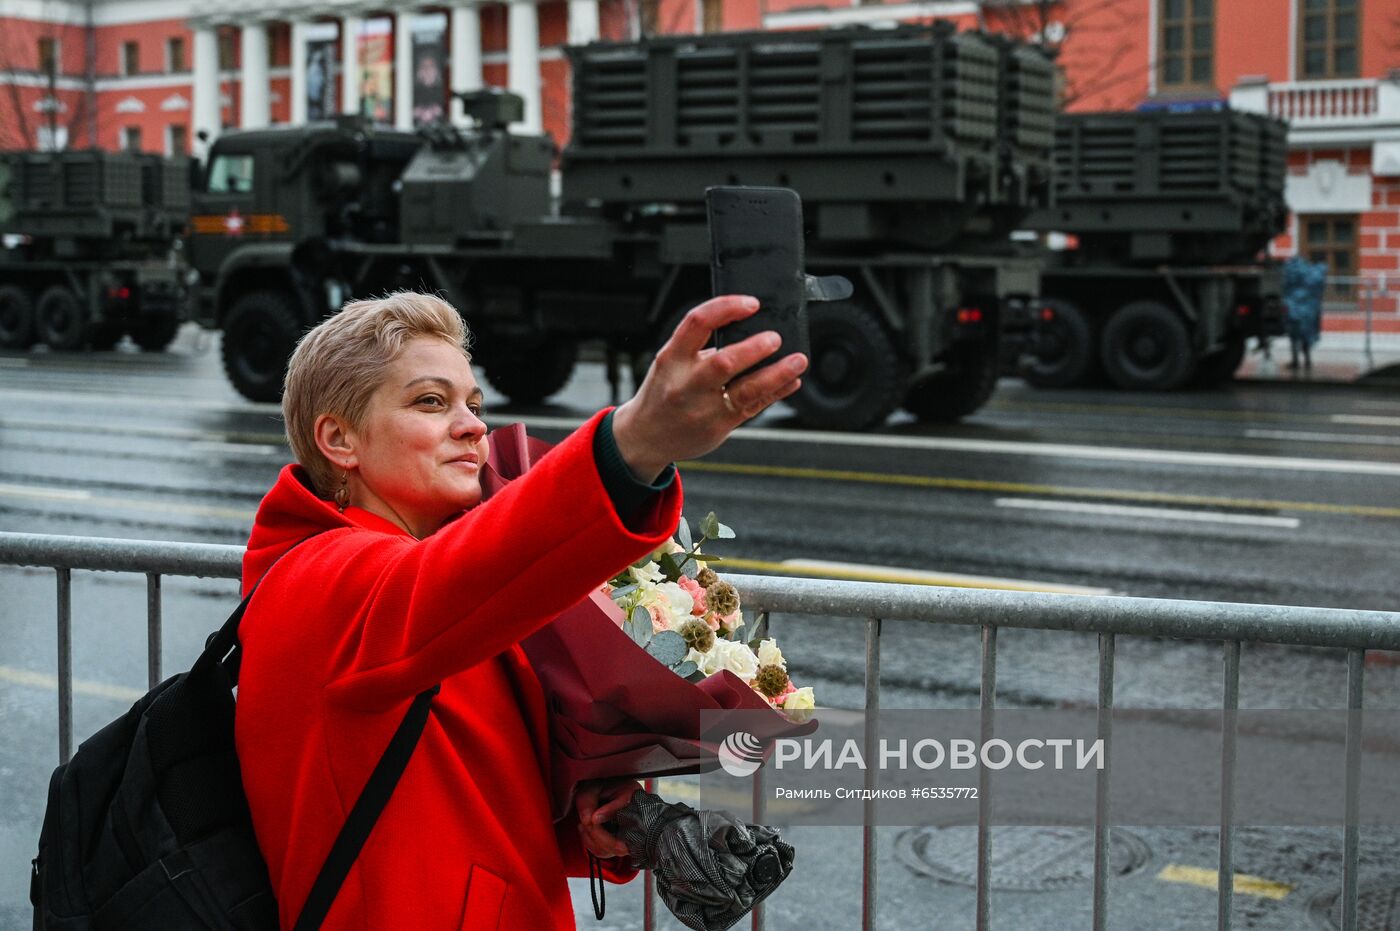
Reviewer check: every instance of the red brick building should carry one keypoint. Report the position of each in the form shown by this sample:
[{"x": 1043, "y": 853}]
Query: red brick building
[{"x": 130, "y": 73}]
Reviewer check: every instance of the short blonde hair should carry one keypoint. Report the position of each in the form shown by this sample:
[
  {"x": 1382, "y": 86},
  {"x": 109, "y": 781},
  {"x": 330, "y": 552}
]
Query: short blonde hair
[{"x": 341, "y": 362}]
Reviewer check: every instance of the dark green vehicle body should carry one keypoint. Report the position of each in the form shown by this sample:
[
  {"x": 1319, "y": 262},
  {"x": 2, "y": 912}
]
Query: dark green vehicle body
[
  {"x": 915, "y": 152},
  {"x": 91, "y": 248},
  {"x": 1172, "y": 213}
]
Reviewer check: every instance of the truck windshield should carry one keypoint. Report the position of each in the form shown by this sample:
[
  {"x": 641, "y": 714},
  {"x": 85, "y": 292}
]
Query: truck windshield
[{"x": 231, "y": 174}]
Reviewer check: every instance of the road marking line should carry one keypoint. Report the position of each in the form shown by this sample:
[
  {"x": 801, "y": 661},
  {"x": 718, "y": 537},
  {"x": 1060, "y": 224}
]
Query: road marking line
[
  {"x": 1306, "y": 437},
  {"x": 1119, "y": 510},
  {"x": 44, "y": 494},
  {"x": 171, "y": 433},
  {"x": 14, "y": 363},
  {"x": 970, "y": 484},
  {"x": 63, "y": 494},
  {"x": 1210, "y": 879},
  {"x": 1049, "y": 450},
  {"x": 145, "y": 400},
  {"x": 855, "y": 572},
  {"x": 1366, "y": 420},
  {"x": 80, "y": 686}
]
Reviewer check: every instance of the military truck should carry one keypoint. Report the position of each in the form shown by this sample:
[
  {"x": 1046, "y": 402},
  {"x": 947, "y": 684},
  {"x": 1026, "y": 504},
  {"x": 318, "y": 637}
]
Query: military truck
[
  {"x": 915, "y": 151},
  {"x": 1169, "y": 214},
  {"x": 90, "y": 248}
]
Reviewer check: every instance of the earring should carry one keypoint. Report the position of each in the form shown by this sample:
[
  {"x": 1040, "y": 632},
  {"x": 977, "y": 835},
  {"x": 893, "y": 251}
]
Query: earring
[{"x": 342, "y": 494}]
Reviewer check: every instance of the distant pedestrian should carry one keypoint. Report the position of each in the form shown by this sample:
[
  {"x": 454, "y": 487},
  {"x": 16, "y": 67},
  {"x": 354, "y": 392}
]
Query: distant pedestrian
[{"x": 1303, "y": 284}]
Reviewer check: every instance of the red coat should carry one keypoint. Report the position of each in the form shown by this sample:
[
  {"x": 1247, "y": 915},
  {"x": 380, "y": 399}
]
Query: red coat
[{"x": 358, "y": 620}]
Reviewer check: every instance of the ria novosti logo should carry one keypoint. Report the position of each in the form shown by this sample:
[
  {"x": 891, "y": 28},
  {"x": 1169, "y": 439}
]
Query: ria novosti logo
[{"x": 741, "y": 754}]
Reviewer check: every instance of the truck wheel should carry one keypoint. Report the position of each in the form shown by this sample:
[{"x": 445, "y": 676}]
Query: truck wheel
[
  {"x": 1219, "y": 367},
  {"x": 1065, "y": 352},
  {"x": 153, "y": 334},
  {"x": 58, "y": 319},
  {"x": 16, "y": 318},
  {"x": 260, "y": 332},
  {"x": 104, "y": 335},
  {"x": 855, "y": 377},
  {"x": 1146, "y": 346},
  {"x": 966, "y": 386},
  {"x": 529, "y": 374}
]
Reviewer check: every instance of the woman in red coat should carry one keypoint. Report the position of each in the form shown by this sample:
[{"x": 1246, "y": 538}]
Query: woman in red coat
[{"x": 402, "y": 583}]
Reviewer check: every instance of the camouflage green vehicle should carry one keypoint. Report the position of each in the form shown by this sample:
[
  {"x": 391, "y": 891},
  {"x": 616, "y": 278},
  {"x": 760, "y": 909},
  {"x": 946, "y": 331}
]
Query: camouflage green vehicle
[
  {"x": 1171, "y": 215},
  {"x": 91, "y": 249},
  {"x": 915, "y": 151}
]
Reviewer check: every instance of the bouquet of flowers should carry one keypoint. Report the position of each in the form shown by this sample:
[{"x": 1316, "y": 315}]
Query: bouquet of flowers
[{"x": 689, "y": 619}]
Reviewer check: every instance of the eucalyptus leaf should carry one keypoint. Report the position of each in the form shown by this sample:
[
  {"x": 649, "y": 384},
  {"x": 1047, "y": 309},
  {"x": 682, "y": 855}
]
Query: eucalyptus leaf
[
  {"x": 683, "y": 533},
  {"x": 685, "y": 669},
  {"x": 669, "y": 567},
  {"x": 706, "y": 557},
  {"x": 690, "y": 567},
  {"x": 620, "y": 593},
  {"x": 696, "y": 676},
  {"x": 724, "y": 533},
  {"x": 760, "y": 629},
  {"x": 639, "y": 626},
  {"x": 668, "y": 647},
  {"x": 710, "y": 526}
]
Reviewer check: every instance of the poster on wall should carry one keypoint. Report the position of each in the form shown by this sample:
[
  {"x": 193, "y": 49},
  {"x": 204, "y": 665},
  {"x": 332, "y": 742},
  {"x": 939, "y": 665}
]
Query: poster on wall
[
  {"x": 321, "y": 71},
  {"x": 429, "y": 68},
  {"x": 377, "y": 70}
]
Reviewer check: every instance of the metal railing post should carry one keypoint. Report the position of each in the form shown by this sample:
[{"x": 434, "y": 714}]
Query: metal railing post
[
  {"x": 760, "y": 809},
  {"x": 984, "y": 801},
  {"x": 153, "y": 629},
  {"x": 1356, "y": 665},
  {"x": 648, "y": 882},
  {"x": 1230, "y": 705},
  {"x": 65, "y": 664},
  {"x": 869, "y": 875},
  {"x": 1102, "y": 845}
]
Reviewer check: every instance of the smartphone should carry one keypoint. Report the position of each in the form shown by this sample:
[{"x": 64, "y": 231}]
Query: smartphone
[{"x": 756, "y": 249}]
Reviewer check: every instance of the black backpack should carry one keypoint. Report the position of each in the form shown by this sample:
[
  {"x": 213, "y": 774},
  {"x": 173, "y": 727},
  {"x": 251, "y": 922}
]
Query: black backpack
[{"x": 147, "y": 827}]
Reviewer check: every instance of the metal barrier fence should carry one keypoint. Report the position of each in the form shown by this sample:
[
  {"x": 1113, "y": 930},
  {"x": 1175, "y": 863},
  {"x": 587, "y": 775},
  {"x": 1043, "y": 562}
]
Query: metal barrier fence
[
  {"x": 1107, "y": 616},
  {"x": 1365, "y": 300}
]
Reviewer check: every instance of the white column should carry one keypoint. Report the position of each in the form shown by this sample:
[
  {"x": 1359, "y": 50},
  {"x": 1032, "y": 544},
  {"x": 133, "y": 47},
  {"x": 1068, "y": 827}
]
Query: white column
[
  {"x": 524, "y": 45},
  {"x": 298, "y": 89},
  {"x": 403, "y": 68},
  {"x": 466, "y": 55},
  {"x": 206, "y": 87},
  {"x": 583, "y": 21},
  {"x": 256, "y": 109},
  {"x": 350, "y": 28}
]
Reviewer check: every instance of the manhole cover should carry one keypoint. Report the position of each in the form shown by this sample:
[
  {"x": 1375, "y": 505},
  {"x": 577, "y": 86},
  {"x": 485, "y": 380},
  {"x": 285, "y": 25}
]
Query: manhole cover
[
  {"x": 1023, "y": 859},
  {"x": 1377, "y": 907}
]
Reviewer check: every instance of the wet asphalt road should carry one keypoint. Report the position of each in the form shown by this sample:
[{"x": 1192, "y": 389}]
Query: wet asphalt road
[{"x": 1283, "y": 494}]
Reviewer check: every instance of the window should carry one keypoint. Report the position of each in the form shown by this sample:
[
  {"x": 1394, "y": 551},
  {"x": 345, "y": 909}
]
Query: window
[
  {"x": 1186, "y": 46},
  {"x": 231, "y": 174},
  {"x": 1333, "y": 240},
  {"x": 131, "y": 58},
  {"x": 1327, "y": 43},
  {"x": 131, "y": 138},
  {"x": 175, "y": 55},
  {"x": 48, "y": 55},
  {"x": 177, "y": 140},
  {"x": 226, "y": 58}
]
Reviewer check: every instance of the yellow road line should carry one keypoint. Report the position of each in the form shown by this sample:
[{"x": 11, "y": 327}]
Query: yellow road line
[
  {"x": 1209, "y": 879},
  {"x": 826, "y": 570},
  {"x": 969, "y": 484},
  {"x": 80, "y": 686}
]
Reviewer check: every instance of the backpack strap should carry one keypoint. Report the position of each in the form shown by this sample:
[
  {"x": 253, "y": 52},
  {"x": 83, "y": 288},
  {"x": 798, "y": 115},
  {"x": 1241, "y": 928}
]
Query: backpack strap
[{"x": 373, "y": 798}]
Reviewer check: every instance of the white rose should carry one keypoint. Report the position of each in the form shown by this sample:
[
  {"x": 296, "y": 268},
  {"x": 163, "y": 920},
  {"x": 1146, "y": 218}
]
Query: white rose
[
  {"x": 651, "y": 572},
  {"x": 731, "y": 655},
  {"x": 677, "y": 601},
  {"x": 769, "y": 654},
  {"x": 800, "y": 700}
]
